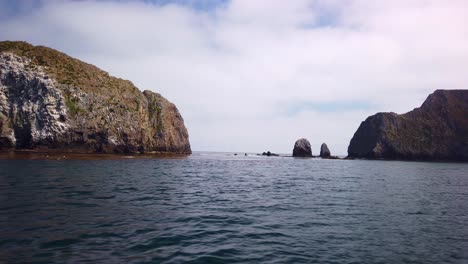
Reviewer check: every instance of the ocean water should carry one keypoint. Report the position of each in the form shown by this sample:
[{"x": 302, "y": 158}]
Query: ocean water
[{"x": 220, "y": 208}]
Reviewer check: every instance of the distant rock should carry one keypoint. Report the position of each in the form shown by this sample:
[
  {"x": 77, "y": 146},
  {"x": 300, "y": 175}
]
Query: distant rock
[
  {"x": 268, "y": 153},
  {"x": 324, "y": 151},
  {"x": 52, "y": 102},
  {"x": 438, "y": 130},
  {"x": 302, "y": 148}
]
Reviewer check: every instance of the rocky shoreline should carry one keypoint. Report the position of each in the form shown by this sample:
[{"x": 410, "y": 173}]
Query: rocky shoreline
[{"x": 58, "y": 155}]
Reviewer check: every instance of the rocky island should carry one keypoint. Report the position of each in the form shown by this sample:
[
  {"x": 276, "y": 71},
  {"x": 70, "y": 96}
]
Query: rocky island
[
  {"x": 438, "y": 130},
  {"x": 324, "y": 151},
  {"x": 302, "y": 148},
  {"x": 52, "y": 102}
]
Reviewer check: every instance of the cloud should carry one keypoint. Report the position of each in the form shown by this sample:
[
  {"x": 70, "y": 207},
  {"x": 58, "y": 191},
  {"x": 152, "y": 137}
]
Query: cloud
[{"x": 257, "y": 75}]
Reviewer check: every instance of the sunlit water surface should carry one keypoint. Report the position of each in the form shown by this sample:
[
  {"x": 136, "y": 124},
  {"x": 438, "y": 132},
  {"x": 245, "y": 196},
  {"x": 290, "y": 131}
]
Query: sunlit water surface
[{"x": 221, "y": 208}]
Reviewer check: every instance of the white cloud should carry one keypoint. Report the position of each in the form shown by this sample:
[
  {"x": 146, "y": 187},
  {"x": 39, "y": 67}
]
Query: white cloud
[{"x": 234, "y": 71}]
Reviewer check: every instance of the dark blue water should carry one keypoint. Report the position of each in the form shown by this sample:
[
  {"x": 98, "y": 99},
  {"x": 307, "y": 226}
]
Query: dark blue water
[{"x": 217, "y": 208}]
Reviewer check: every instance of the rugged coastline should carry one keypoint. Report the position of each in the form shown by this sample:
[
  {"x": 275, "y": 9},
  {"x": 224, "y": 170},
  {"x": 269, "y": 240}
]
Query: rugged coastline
[{"x": 51, "y": 102}]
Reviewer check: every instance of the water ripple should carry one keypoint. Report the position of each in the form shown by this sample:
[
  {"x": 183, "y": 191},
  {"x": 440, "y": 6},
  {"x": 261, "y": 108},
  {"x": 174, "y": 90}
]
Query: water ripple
[{"x": 218, "y": 208}]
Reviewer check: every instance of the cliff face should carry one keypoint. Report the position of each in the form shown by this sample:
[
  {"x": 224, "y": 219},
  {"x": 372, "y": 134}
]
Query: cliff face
[
  {"x": 438, "y": 130},
  {"x": 51, "y": 101}
]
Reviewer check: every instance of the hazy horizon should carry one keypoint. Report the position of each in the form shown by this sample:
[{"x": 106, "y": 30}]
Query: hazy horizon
[{"x": 253, "y": 76}]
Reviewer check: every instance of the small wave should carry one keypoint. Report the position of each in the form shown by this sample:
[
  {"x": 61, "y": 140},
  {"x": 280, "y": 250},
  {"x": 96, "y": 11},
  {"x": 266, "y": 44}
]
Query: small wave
[
  {"x": 78, "y": 204},
  {"x": 100, "y": 235},
  {"x": 144, "y": 198},
  {"x": 155, "y": 243},
  {"x": 220, "y": 256},
  {"x": 60, "y": 243},
  {"x": 144, "y": 231},
  {"x": 104, "y": 197}
]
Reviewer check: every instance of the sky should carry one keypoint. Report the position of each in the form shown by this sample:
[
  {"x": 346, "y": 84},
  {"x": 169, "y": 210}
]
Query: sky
[{"x": 256, "y": 75}]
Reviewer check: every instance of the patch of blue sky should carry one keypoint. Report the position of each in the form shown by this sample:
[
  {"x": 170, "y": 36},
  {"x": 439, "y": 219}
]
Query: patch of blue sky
[
  {"x": 200, "y": 5},
  {"x": 326, "y": 16},
  {"x": 12, "y": 8},
  {"x": 327, "y": 107}
]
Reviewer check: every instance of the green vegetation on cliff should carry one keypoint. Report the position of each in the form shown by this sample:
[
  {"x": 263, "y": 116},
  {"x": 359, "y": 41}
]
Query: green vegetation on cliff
[
  {"x": 62, "y": 102},
  {"x": 69, "y": 71}
]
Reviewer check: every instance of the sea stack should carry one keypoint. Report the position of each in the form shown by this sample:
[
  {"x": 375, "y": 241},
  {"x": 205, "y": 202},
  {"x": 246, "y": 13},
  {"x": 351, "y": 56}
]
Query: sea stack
[
  {"x": 302, "y": 148},
  {"x": 52, "y": 102},
  {"x": 438, "y": 130},
  {"x": 324, "y": 151}
]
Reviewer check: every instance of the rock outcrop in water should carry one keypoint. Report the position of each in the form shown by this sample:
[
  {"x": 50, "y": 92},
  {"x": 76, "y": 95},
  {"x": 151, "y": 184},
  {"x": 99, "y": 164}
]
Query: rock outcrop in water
[
  {"x": 438, "y": 130},
  {"x": 268, "y": 153},
  {"x": 50, "y": 101},
  {"x": 324, "y": 151},
  {"x": 302, "y": 148}
]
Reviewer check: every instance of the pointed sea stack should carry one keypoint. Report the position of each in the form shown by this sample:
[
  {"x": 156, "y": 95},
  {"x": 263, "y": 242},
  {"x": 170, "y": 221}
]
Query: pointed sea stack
[
  {"x": 324, "y": 151},
  {"x": 52, "y": 102},
  {"x": 302, "y": 148},
  {"x": 438, "y": 130}
]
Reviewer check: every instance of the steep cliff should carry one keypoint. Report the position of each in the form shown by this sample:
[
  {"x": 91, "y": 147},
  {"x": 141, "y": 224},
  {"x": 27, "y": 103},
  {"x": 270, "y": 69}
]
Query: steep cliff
[
  {"x": 50, "y": 101},
  {"x": 438, "y": 130}
]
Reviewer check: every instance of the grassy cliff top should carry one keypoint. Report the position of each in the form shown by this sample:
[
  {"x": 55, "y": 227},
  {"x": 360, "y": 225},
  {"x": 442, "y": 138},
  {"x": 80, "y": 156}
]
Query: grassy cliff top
[{"x": 70, "y": 71}]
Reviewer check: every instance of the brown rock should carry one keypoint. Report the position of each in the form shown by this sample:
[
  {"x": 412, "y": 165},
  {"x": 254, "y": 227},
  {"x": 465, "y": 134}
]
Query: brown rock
[
  {"x": 438, "y": 130},
  {"x": 50, "y": 101}
]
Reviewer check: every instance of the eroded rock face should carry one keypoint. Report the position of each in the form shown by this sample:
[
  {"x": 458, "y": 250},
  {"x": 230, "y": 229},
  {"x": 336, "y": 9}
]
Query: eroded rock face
[
  {"x": 50, "y": 101},
  {"x": 438, "y": 130},
  {"x": 324, "y": 151},
  {"x": 302, "y": 148},
  {"x": 169, "y": 124},
  {"x": 32, "y": 109}
]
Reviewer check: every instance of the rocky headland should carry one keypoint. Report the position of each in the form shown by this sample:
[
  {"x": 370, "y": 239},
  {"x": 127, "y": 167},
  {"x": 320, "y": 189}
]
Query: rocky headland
[
  {"x": 438, "y": 130},
  {"x": 52, "y": 102}
]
